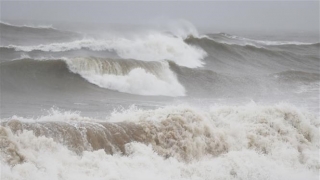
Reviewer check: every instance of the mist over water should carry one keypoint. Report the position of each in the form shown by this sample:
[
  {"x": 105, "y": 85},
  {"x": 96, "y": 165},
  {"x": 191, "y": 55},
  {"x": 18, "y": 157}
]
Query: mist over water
[{"x": 157, "y": 102}]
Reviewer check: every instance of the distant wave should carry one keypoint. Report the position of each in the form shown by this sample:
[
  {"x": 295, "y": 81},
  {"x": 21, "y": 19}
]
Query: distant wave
[
  {"x": 29, "y": 35},
  {"x": 273, "y": 43},
  {"x": 27, "y": 26},
  {"x": 249, "y": 42},
  {"x": 232, "y": 39},
  {"x": 258, "y": 59}
]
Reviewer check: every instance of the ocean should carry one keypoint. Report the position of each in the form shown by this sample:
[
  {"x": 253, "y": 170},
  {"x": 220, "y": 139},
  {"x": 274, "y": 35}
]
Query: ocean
[{"x": 158, "y": 103}]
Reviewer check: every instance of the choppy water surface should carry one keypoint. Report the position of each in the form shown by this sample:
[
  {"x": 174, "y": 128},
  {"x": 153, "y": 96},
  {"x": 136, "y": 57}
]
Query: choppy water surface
[{"x": 157, "y": 104}]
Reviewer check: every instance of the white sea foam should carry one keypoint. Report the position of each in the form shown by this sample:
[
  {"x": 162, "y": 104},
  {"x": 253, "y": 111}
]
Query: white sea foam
[
  {"x": 54, "y": 115},
  {"x": 265, "y": 42},
  {"x": 155, "y": 80},
  {"x": 153, "y": 46},
  {"x": 24, "y": 56},
  {"x": 263, "y": 142}
]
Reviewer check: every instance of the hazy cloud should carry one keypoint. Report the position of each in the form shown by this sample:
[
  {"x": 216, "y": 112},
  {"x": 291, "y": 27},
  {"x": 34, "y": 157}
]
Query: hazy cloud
[{"x": 219, "y": 15}]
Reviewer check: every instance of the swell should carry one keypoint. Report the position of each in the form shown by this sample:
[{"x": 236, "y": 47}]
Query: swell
[
  {"x": 206, "y": 41},
  {"x": 230, "y": 58},
  {"x": 26, "y": 35},
  {"x": 31, "y": 76},
  {"x": 208, "y": 83}
]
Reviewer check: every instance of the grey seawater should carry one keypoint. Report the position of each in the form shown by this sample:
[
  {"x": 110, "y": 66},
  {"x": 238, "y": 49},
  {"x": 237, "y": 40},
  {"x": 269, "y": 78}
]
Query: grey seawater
[
  {"x": 139, "y": 103},
  {"x": 236, "y": 70}
]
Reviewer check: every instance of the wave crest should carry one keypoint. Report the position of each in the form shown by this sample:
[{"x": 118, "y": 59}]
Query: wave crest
[
  {"x": 150, "y": 47},
  {"x": 130, "y": 76}
]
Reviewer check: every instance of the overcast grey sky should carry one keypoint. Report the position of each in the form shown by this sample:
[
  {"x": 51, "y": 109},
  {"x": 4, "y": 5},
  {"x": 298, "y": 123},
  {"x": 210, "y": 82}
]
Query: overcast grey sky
[{"x": 219, "y": 15}]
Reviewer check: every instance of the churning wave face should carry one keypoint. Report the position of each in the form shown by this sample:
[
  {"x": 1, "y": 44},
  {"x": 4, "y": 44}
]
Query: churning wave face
[
  {"x": 249, "y": 142},
  {"x": 130, "y": 76}
]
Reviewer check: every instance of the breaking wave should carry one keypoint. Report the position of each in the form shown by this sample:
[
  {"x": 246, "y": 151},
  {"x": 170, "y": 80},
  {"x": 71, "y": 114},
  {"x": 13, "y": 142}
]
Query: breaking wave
[
  {"x": 246, "y": 142},
  {"x": 130, "y": 76},
  {"x": 151, "y": 47}
]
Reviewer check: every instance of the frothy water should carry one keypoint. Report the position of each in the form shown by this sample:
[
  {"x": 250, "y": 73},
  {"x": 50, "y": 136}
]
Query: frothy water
[
  {"x": 154, "y": 78},
  {"x": 255, "y": 142},
  {"x": 152, "y": 47}
]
